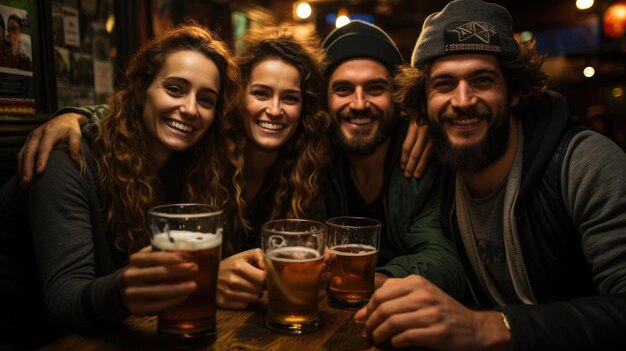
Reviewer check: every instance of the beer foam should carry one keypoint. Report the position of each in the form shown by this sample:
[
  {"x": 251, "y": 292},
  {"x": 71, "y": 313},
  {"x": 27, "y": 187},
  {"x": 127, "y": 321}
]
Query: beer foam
[
  {"x": 183, "y": 240},
  {"x": 355, "y": 250},
  {"x": 297, "y": 252}
]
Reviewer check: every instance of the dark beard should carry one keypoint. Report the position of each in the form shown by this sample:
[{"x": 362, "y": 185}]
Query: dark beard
[
  {"x": 475, "y": 157},
  {"x": 359, "y": 145}
]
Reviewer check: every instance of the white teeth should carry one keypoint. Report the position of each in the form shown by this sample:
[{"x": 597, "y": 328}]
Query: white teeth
[
  {"x": 360, "y": 120},
  {"x": 179, "y": 126},
  {"x": 270, "y": 125},
  {"x": 465, "y": 122}
]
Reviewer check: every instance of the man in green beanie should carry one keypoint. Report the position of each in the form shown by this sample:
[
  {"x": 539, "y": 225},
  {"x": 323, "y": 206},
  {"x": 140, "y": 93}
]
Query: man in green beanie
[
  {"x": 535, "y": 204},
  {"x": 365, "y": 178}
]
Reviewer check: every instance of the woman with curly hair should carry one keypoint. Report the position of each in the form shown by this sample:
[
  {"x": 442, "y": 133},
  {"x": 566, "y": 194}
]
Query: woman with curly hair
[
  {"x": 74, "y": 251},
  {"x": 283, "y": 130},
  {"x": 286, "y": 146}
]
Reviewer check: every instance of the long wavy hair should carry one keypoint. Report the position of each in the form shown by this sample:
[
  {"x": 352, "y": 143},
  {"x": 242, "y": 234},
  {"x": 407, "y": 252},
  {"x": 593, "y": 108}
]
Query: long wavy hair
[
  {"x": 213, "y": 173},
  {"x": 300, "y": 162},
  {"x": 523, "y": 74}
]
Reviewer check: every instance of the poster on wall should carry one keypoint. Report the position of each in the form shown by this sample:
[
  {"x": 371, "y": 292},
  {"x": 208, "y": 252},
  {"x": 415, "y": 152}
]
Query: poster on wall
[{"x": 16, "y": 62}]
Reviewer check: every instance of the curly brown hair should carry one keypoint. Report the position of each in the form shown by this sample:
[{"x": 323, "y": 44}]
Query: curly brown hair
[
  {"x": 128, "y": 180},
  {"x": 300, "y": 162},
  {"x": 523, "y": 74}
]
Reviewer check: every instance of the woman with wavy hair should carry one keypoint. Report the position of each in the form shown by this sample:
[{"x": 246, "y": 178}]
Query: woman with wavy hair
[
  {"x": 285, "y": 128},
  {"x": 74, "y": 251}
]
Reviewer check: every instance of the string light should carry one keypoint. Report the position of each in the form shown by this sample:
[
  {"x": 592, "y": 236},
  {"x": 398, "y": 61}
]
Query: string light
[
  {"x": 303, "y": 9},
  {"x": 584, "y": 4},
  {"x": 342, "y": 17}
]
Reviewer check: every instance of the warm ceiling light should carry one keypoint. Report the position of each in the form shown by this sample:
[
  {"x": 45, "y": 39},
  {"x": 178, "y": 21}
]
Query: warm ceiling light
[
  {"x": 342, "y": 17},
  {"x": 303, "y": 9},
  {"x": 584, "y": 4},
  {"x": 589, "y": 71},
  {"x": 617, "y": 92},
  {"x": 614, "y": 20}
]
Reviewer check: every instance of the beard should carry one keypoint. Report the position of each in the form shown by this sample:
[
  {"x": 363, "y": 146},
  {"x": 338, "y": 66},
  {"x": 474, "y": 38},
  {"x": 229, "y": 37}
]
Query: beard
[
  {"x": 471, "y": 157},
  {"x": 362, "y": 143}
]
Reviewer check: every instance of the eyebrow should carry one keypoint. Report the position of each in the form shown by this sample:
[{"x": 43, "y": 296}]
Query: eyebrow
[
  {"x": 185, "y": 81},
  {"x": 479, "y": 71},
  {"x": 369, "y": 82},
  {"x": 263, "y": 86}
]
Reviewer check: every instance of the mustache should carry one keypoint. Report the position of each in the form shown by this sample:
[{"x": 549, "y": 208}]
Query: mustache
[
  {"x": 360, "y": 113},
  {"x": 469, "y": 114}
]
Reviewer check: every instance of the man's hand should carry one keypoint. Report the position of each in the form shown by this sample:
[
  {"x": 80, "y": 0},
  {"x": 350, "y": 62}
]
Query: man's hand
[
  {"x": 146, "y": 284},
  {"x": 63, "y": 128},
  {"x": 414, "y": 312},
  {"x": 417, "y": 150},
  {"x": 379, "y": 279},
  {"x": 241, "y": 280}
]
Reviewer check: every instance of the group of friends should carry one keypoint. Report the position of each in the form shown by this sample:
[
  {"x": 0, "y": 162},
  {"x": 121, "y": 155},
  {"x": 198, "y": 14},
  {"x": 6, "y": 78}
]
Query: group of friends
[{"x": 512, "y": 237}]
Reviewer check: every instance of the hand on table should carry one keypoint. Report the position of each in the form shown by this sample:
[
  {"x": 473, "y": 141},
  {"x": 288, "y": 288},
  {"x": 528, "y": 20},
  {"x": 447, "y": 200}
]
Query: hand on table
[
  {"x": 241, "y": 280},
  {"x": 414, "y": 312},
  {"x": 147, "y": 283}
]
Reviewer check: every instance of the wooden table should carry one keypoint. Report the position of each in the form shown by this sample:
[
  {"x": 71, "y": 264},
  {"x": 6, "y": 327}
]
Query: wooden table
[{"x": 236, "y": 331}]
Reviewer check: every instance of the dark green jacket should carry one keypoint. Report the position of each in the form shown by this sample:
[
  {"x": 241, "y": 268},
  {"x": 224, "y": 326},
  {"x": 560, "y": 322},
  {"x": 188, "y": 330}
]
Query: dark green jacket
[{"x": 411, "y": 209}]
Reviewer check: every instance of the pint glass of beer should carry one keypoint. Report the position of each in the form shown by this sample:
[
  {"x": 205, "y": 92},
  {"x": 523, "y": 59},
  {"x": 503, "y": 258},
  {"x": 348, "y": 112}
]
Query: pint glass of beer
[
  {"x": 197, "y": 230},
  {"x": 354, "y": 243},
  {"x": 293, "y": 252}
]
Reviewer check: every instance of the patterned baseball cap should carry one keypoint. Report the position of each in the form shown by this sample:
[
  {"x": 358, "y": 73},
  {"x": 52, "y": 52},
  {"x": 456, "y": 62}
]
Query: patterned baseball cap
[{"x": 466, "y": 26}]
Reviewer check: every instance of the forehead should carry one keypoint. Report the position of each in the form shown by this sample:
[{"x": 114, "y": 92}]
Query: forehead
[
  {"x": 192, "y": 66},
  {"x": 359, "y": 71},
  {"x": 274, "y": 69},
  {"x": 466, "y": 64}
]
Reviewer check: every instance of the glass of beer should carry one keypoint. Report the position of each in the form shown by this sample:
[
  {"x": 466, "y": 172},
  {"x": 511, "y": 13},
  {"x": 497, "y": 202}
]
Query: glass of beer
[
  {"x": 197, "y": 230},
  {"x": 293, "y": 252},
  {"x": 354, "y": 244}
]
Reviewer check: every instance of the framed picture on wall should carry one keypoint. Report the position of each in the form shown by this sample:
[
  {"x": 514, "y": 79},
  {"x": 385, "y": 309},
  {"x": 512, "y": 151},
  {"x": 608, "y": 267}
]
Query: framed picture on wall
[{"x": 16, "y": 61}]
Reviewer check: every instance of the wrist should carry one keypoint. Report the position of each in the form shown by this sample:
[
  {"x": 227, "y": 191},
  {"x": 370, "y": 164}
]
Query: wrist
[{"x": 494, "y": 330}]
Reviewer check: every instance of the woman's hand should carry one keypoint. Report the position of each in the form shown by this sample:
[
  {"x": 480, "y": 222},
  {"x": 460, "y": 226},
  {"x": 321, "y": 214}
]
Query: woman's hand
[
  {"x": 156, "y": 280},
  {"x": 40, "y": 142},
  {"x": 241, "y": 280}
]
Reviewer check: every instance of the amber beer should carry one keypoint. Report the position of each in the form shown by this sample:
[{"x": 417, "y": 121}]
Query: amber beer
[
  {"x": 196, "y": 315},
  {"x": 352, "y": 274},
  {"x": 293, "y": 282},
  {"x": 353, "y": 243},
  {"x": 195, "y": 229},
  {"x": 293, "y": 251}
]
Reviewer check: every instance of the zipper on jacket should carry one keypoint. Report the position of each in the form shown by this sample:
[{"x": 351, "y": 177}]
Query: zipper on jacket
[
  {"x": 453, "y": 237},
  {"x": 523, "y": 262}
]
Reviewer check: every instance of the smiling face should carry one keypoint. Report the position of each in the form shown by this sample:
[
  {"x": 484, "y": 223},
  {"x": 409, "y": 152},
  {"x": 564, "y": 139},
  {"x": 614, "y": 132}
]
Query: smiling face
[
  {"x": 14, "y": 29},
  {"x": 273, "y": 103},
  {"x": 469, "y": 110},
  {"x": 180, "y": 103},
  {"x": 360, "y": 102}
]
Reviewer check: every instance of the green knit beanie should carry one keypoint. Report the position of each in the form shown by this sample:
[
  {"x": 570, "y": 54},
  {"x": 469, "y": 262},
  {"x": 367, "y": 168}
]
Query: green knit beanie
[{"x": 359, "y": 39}]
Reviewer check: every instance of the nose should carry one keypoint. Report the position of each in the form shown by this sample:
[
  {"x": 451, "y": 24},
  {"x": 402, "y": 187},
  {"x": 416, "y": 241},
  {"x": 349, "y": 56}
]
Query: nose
[
  {"x": 463, "y": 96},
  {"x": 359, "y": 101},
  {"x": 274, "y": 109},
  {"x": 189, "y": 107}
]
